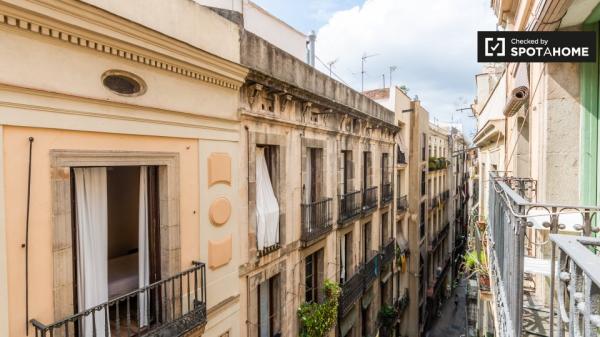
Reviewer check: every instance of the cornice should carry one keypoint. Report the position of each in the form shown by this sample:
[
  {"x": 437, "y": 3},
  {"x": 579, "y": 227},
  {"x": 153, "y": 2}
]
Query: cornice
[{"x": 157, "y": 50}]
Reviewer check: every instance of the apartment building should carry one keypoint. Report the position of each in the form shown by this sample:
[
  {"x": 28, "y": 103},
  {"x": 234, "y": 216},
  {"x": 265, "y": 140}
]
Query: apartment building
[
  {"x": 120, "y": 151},
  {"x": 537, "y": 132}
]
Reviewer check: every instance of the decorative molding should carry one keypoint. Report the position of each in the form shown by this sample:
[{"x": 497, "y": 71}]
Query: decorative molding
[{"x": 90, "y": 43}]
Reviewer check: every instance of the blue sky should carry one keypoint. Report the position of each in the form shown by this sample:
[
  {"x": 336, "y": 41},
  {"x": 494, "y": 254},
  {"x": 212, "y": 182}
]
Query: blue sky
[{"x": 432, "y": 44}]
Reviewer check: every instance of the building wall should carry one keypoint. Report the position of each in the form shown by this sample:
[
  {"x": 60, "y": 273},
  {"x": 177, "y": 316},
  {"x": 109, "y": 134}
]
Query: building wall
[
  {"x": 53, "y": 92},
  {"x": 262, "y": 23}
]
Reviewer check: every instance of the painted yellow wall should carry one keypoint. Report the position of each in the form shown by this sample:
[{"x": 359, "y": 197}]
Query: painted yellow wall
[{"x": 15, "y": 171}]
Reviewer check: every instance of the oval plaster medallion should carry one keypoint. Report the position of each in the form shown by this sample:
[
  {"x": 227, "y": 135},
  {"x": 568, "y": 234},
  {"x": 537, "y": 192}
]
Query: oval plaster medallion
[{"x": 219, "y": 211}]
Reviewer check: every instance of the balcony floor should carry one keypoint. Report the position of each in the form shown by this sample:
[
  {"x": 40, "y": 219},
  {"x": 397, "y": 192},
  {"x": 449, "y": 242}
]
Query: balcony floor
[{"x": 536, "y": 317}]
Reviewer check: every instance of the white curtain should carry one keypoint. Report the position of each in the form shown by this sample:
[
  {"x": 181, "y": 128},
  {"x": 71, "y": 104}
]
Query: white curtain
[
  {"x": 143, "y": 252},
  {"x": 343, "y": 258},
  {"x": 308, "y": 183},
  {"x": 92, "y": 247},
  {"x": 267, "y": 208}
]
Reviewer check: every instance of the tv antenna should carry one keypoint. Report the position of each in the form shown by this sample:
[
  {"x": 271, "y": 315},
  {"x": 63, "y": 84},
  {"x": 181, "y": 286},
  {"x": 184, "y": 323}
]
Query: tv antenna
[
  {"x": 392, "y": 69},
  {"x": 330, "y": 66},
  {"x": 362, "y": 70}
]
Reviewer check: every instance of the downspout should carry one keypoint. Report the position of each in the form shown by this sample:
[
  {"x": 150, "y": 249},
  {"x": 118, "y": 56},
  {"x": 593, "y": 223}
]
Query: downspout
[{"x": 26, "y": 244}]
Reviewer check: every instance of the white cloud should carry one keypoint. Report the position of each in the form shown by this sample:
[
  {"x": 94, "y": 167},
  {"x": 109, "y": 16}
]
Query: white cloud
[{"x": 432, "y": 43}]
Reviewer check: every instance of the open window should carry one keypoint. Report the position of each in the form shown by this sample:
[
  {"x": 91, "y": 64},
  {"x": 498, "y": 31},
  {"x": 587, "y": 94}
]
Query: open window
[
  {"x": 116, "y": 233},
  {"x": 267, "y": 206},
  {"x": 269, "y": 308},
  {"x": 313, "y": 275}
]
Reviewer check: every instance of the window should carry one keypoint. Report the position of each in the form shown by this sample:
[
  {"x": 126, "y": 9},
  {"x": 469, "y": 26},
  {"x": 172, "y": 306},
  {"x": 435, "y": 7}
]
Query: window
[
  {"x": 347, "y": 171},
  {"x": 346, "y": 257},
  {"x": 385, "y": 230},
  {"x": 313, "y": 276},
  {"x": 422, "y": 221},
  {"x": 269, "y": 308},
  {"x": 267, "y": 205},
  {"x": 313, "y": 185},
  {"x": 384, "y": 168},
  {"x": 423, "y": 146},
  {"x": 366, "y": 169},
  {"x": 423, "y": 177},
  {"x": 366, "y": 241}
]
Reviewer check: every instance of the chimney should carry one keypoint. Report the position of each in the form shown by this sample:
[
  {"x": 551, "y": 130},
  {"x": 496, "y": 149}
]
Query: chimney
[{"x": 312, "y": 38}]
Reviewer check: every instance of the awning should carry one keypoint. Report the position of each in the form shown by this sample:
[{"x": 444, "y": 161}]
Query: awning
[{"x": 491, "y": 132}]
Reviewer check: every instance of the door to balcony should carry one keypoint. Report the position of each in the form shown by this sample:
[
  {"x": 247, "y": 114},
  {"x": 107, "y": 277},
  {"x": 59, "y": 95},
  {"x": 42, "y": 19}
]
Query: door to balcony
[{"x": 116, "y": 232}]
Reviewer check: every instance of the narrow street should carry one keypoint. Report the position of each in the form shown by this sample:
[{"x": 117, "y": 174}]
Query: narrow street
[{"x": 453, "y": 319}]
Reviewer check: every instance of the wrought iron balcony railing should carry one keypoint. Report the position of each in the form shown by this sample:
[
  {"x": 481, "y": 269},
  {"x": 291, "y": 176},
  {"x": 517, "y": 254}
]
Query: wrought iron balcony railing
[
  {"x": 387, "y": 194},
  {"x": 402, "y": 204},
  {"x": 511, "y": 212},
  {"x": 369, "y": 199},
  {"x": 371, "y": 269},
  {"x": 388, "y": 251},
  {"x": 317, "y": 220},
  {"x": 173, "y": 307},
  {"x": 444, "y": 196},
  {"x": 352, "y": 289},
  {"x": 350, "y": 205},
  {"x": 439, "y": 238}
]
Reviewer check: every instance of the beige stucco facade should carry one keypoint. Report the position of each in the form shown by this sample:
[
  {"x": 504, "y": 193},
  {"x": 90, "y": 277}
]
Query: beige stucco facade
[{"x": 52, "y": 90}]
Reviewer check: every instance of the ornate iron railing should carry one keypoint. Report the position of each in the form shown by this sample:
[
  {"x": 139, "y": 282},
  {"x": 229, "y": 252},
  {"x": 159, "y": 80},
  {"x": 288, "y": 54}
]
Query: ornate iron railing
[
  {"x": 174, "y": 306},
  {"x": 439, "y": 237},
  {"x": 434, "y": 202},
  {"x": 444, "y": 196},
  {"x": 369, "y": 198},
  {"x": 352, "y": 289},
  {"x": 350, "y": 205},
  {"x": 317, "y": 219},
  {"x": 511, "y": 212},
  {"x": 402, "y": 203},
  {"x": 387, "y": 194},
  {"x": 578, "y": 285}
]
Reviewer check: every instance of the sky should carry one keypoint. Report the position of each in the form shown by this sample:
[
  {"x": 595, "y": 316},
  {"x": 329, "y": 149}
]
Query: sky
[{"x": 432, "y": 44}]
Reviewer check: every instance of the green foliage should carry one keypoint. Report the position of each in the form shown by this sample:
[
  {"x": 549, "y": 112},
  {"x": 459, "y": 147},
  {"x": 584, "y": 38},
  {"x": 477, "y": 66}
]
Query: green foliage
[
  {"x": 317, "y": 319},
  {"x": 387, "y": 316},
  {"x": 474, "y": 263},
  {"x": 437, "y": 163},
  {"x": 404, "y": 89}
]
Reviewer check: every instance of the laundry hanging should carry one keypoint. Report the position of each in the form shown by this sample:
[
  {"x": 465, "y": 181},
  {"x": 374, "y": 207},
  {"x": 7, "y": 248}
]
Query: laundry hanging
[
  {"x": 267, "y": 208},
  {"x": 143, "y": 251},
  {"x": 92, "y": 246}
]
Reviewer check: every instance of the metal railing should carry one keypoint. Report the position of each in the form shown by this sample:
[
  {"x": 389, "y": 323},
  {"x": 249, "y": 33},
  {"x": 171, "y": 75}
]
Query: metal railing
[
  {"x": 317, "y": 219},
  {"x": 444, "y": 196},
  {"x": 352, "y": 289},
  {"x": 439, "y": 238},
  {"x": 371, "y": 269},
  {"x": 388, "y": 251},
  {"x": 369, "y": 198},
  {"x": 511, "y": 212},
  {"x": 402, "y": 203},
  {"x": 578, "y": 280},
  {"x": 401, "y": 158},
  {"x": 173, "y": 306},
  {"x": 350, "y": 205},
  {"x": 387, "y": 194},
  {"x": 434, "y": 202}
]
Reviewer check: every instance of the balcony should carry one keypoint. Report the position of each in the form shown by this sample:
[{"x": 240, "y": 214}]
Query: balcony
[
  {"x": 176, "y": 307},
  {"x": 401, "y": 160},
  {"x": 569, "y": 305},
  {"x": 402, "y": 204},
  {"x": 369, "y": 199},
  {"x": 317, "y": 220},
  {"x": 350, "y": 206},
  {"x": 351, "y": 291},
  {"x": 387, "y": 193},
  {"x": 437, "y": 240},
  {"x": 438, "y": 281},
  {"x": 388, "y": 252},
  {"x": 437, "y": 164},
  {"x": 371, "y": 269},
  {"x": 401, "y": 303}
]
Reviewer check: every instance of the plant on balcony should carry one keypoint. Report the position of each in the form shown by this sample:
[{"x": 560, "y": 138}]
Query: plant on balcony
[
  {"x": 387, "y": 317},
  {"x": 317, "y": 319},
  {"x": 476, "y": 264}
]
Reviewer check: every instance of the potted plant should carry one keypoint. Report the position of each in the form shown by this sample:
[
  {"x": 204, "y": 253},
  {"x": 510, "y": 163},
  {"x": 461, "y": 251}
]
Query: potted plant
[
  {"x": 317, "y": 319},
  {"x": 476, "y": 264},
  {"x": 387, "y": 317}
]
